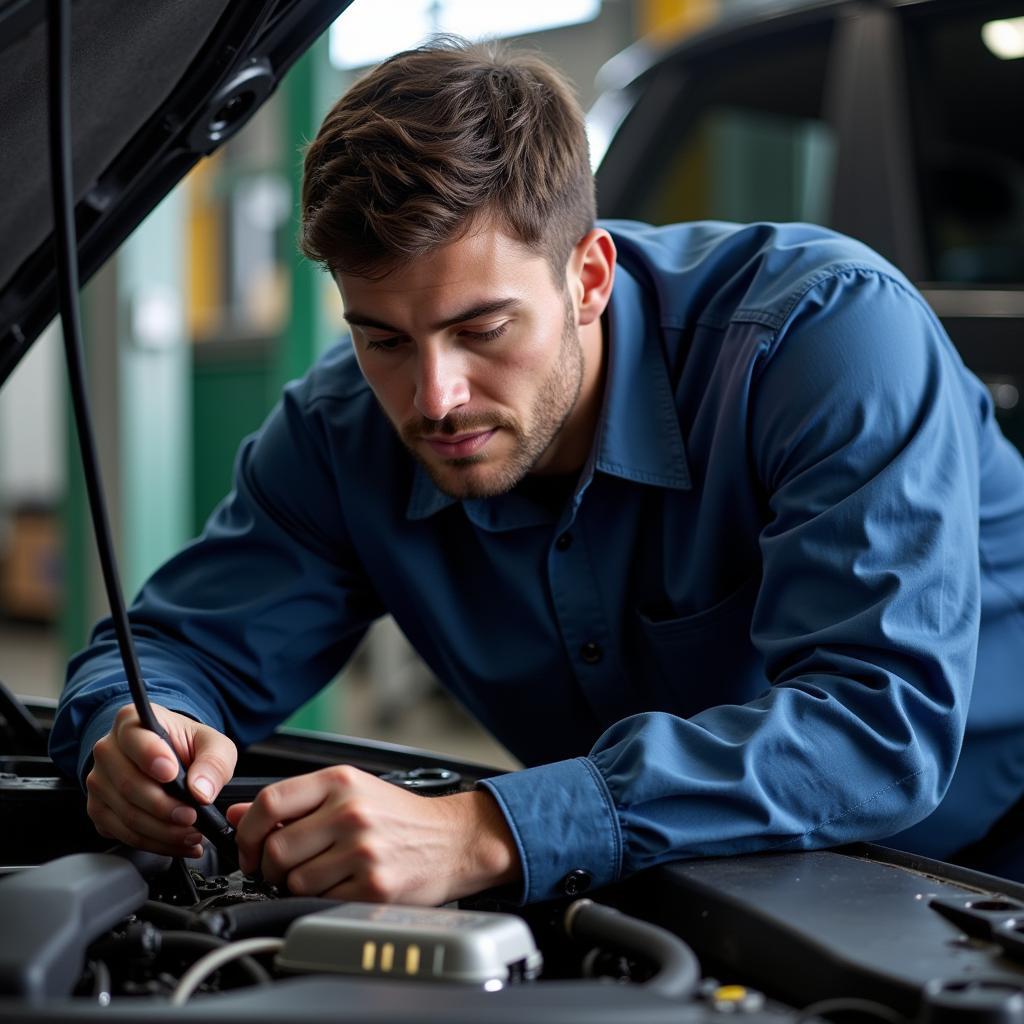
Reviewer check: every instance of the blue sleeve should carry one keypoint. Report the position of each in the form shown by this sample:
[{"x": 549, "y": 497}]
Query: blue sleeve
[
  {"x": 250, "y": 620},
  {"x": 864, "y": 444}
]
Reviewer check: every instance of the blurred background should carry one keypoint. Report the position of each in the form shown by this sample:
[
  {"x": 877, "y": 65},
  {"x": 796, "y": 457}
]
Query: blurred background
[{"x": 905, "y": 134}]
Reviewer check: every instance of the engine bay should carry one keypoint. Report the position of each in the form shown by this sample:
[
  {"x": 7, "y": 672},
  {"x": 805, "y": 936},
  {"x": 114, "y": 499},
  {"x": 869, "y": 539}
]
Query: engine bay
[{"x": 861, "y": 933}]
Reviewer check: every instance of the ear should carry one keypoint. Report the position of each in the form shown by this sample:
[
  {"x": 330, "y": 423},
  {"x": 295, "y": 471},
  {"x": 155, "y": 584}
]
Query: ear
[{"x": 591, "y": 272}]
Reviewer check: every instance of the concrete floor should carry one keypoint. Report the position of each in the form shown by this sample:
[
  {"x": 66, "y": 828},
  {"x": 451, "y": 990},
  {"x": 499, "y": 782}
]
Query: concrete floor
[{"x": 31, "y": 664}]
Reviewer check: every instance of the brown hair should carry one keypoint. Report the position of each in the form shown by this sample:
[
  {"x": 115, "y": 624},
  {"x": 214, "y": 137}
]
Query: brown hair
[{"x": 410, "y": 156}]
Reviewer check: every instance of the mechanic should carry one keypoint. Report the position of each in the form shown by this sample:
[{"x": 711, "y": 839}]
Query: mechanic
[{"x": 707, "y": 523}]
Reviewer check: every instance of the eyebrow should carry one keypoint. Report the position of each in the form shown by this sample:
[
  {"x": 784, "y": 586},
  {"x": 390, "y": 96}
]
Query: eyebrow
[{"x": 472, "y": 313}]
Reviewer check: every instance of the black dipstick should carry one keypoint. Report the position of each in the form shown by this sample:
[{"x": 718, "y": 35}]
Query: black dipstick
[{"x": 210, "y": 822}]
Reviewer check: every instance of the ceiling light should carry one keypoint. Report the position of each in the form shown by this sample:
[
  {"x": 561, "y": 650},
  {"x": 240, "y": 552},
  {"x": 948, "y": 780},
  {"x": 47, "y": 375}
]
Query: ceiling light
[
  {"x": 367, "y": 32},
  {"x": 1005, "y": 38}
]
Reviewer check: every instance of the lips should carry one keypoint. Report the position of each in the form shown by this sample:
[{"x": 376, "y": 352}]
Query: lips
[{"x": 462, "y": 445}]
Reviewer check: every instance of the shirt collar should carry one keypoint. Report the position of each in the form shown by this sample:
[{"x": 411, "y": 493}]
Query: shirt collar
[
  {"x": 425, "y": 498},
  {"x": 505, "y": 512},
  {"x": 638, "y": 435}
]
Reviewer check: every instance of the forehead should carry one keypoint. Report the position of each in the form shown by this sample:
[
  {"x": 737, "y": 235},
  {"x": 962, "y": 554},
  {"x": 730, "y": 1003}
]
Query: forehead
[{"x": 474, "y": 269}]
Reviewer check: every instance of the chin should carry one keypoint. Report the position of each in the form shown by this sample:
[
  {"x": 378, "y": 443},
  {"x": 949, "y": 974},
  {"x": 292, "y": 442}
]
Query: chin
[{"x": 466, "y": 479}]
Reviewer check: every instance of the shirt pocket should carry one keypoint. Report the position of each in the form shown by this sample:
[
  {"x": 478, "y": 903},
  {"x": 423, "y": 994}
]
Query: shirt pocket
[{"x": 705, "y": 659}]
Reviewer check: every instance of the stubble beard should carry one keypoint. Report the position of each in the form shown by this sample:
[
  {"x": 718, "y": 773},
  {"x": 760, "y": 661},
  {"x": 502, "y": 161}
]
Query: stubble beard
[{"x": 555, "y": 400}]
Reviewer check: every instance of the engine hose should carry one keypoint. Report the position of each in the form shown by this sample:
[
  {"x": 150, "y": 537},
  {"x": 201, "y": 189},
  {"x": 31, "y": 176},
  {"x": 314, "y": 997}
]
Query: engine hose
[
  {"x": 678, "y": 970},
  {"x": 163, "y": 915},
  {"x": 266, "y": 917},
  {"x": 192, "y": 945}
]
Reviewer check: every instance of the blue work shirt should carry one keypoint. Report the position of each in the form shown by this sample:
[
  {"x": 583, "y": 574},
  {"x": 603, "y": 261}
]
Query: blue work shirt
[{"x": 754, "y": 624}]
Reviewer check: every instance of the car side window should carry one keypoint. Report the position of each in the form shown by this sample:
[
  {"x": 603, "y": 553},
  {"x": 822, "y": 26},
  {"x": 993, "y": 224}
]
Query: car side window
[
  {"x": 755, "y": 145},
  {"x": 966, "y": 78}
]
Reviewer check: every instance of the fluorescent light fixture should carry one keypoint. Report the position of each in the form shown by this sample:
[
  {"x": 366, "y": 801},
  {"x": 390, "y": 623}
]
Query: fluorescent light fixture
[
  {"x": 369, "y": 31},
  {"x": 1005, "y": 38}
]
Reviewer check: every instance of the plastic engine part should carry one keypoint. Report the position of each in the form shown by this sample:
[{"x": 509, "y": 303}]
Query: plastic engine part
[
  {"x": 52, "y": 913},
  {"x": 472, "y": 947}
]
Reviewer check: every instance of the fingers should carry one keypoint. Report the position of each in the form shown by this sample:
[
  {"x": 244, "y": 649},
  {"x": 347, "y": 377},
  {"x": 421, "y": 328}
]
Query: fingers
[
  {"x": 345, "y": 868},
  {"x": 129, "y": 806},
  {"x": 328, "y": 875},
  {"x": 289, "y": 846},
  {"x": 116, "y": 780},
  {"x": 323, "y": 831},
  {"x": 236, "y": 812},
  {"x": 147, "y": 751},
  {"x": 281, "y": 802},
  {"x": 117, "y": 818},
  {"x": 313, "y": 854},
  {"x": 113, "y": 825},
  {"x": 212, "y": 765},
  {"x": 350, "y": 867},
  {"x": 125, "y": 798}
]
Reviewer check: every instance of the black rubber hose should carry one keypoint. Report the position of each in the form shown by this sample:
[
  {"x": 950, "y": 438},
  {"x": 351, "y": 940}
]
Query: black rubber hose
[
  {"x": 192, "y": 945},
  {"x": 267, "y": 917},
  {"x": 678, "y": 970},
  {"x": 163, "y": 915}
]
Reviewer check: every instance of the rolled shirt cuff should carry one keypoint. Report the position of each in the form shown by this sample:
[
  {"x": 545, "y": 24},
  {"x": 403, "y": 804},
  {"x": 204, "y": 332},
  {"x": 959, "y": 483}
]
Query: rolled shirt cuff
[{"x": 565, "y": 827}]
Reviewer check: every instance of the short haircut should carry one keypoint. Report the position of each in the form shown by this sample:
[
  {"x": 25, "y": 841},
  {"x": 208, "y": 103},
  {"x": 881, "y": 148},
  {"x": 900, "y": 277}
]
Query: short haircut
[{"x": 437, "y": 138}]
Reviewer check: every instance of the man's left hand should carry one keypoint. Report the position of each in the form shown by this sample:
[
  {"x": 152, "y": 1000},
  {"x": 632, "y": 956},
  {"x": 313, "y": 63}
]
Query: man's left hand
[{"x": 347, "y": 835}]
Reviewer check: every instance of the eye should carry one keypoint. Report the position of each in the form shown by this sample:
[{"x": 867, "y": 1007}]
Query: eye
[
  {"x": 383, "y": 344},
  {"x": 494, "y": 332}
]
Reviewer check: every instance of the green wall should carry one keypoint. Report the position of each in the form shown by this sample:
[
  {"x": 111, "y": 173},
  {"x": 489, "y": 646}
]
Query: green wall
[{"x": 231, "y": 396}]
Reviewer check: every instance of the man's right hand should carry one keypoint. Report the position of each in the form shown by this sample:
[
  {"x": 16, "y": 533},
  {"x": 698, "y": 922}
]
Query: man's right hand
[{"x": 125, "y": 799}]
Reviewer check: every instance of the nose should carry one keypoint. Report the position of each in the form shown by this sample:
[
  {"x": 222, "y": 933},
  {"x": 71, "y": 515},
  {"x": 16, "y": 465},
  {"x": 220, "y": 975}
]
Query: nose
[{"x": 441, "y": 383}]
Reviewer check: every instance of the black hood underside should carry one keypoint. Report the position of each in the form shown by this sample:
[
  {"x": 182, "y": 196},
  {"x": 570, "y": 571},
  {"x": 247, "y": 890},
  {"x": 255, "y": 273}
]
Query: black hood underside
[{"x": 156, "y": 84}]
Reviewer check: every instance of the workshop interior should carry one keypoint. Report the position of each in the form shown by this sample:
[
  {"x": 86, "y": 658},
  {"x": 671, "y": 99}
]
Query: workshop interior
[{"x": 894, "y": 121}]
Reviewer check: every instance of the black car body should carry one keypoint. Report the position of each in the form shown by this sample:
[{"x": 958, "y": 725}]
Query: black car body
[
  {"x": 888, "y": 120},
  {"x": 89, "y": 935}
]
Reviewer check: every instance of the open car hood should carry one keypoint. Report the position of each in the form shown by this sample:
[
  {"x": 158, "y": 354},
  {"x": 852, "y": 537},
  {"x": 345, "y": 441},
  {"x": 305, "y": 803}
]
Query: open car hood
[{"x": 173, "y": 81}]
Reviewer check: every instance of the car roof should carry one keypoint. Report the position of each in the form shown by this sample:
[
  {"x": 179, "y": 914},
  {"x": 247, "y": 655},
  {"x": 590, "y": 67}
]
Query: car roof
[{"x": 175, "y": 81}]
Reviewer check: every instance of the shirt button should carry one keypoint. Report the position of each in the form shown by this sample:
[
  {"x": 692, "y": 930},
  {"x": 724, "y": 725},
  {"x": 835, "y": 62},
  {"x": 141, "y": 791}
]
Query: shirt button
[
  {"x": 576, "y": 882},
  {"x": 564, "y": 542},
  {"x": 592, "y": 653}
]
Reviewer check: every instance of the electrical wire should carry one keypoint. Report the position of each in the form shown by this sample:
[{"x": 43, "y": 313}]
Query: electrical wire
[
  {"x": 215, "y": 960},
  {"x": 190, "y": 946},
  {"x": 210, "y": 822},
  {"x": 101, "y": 983}
]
